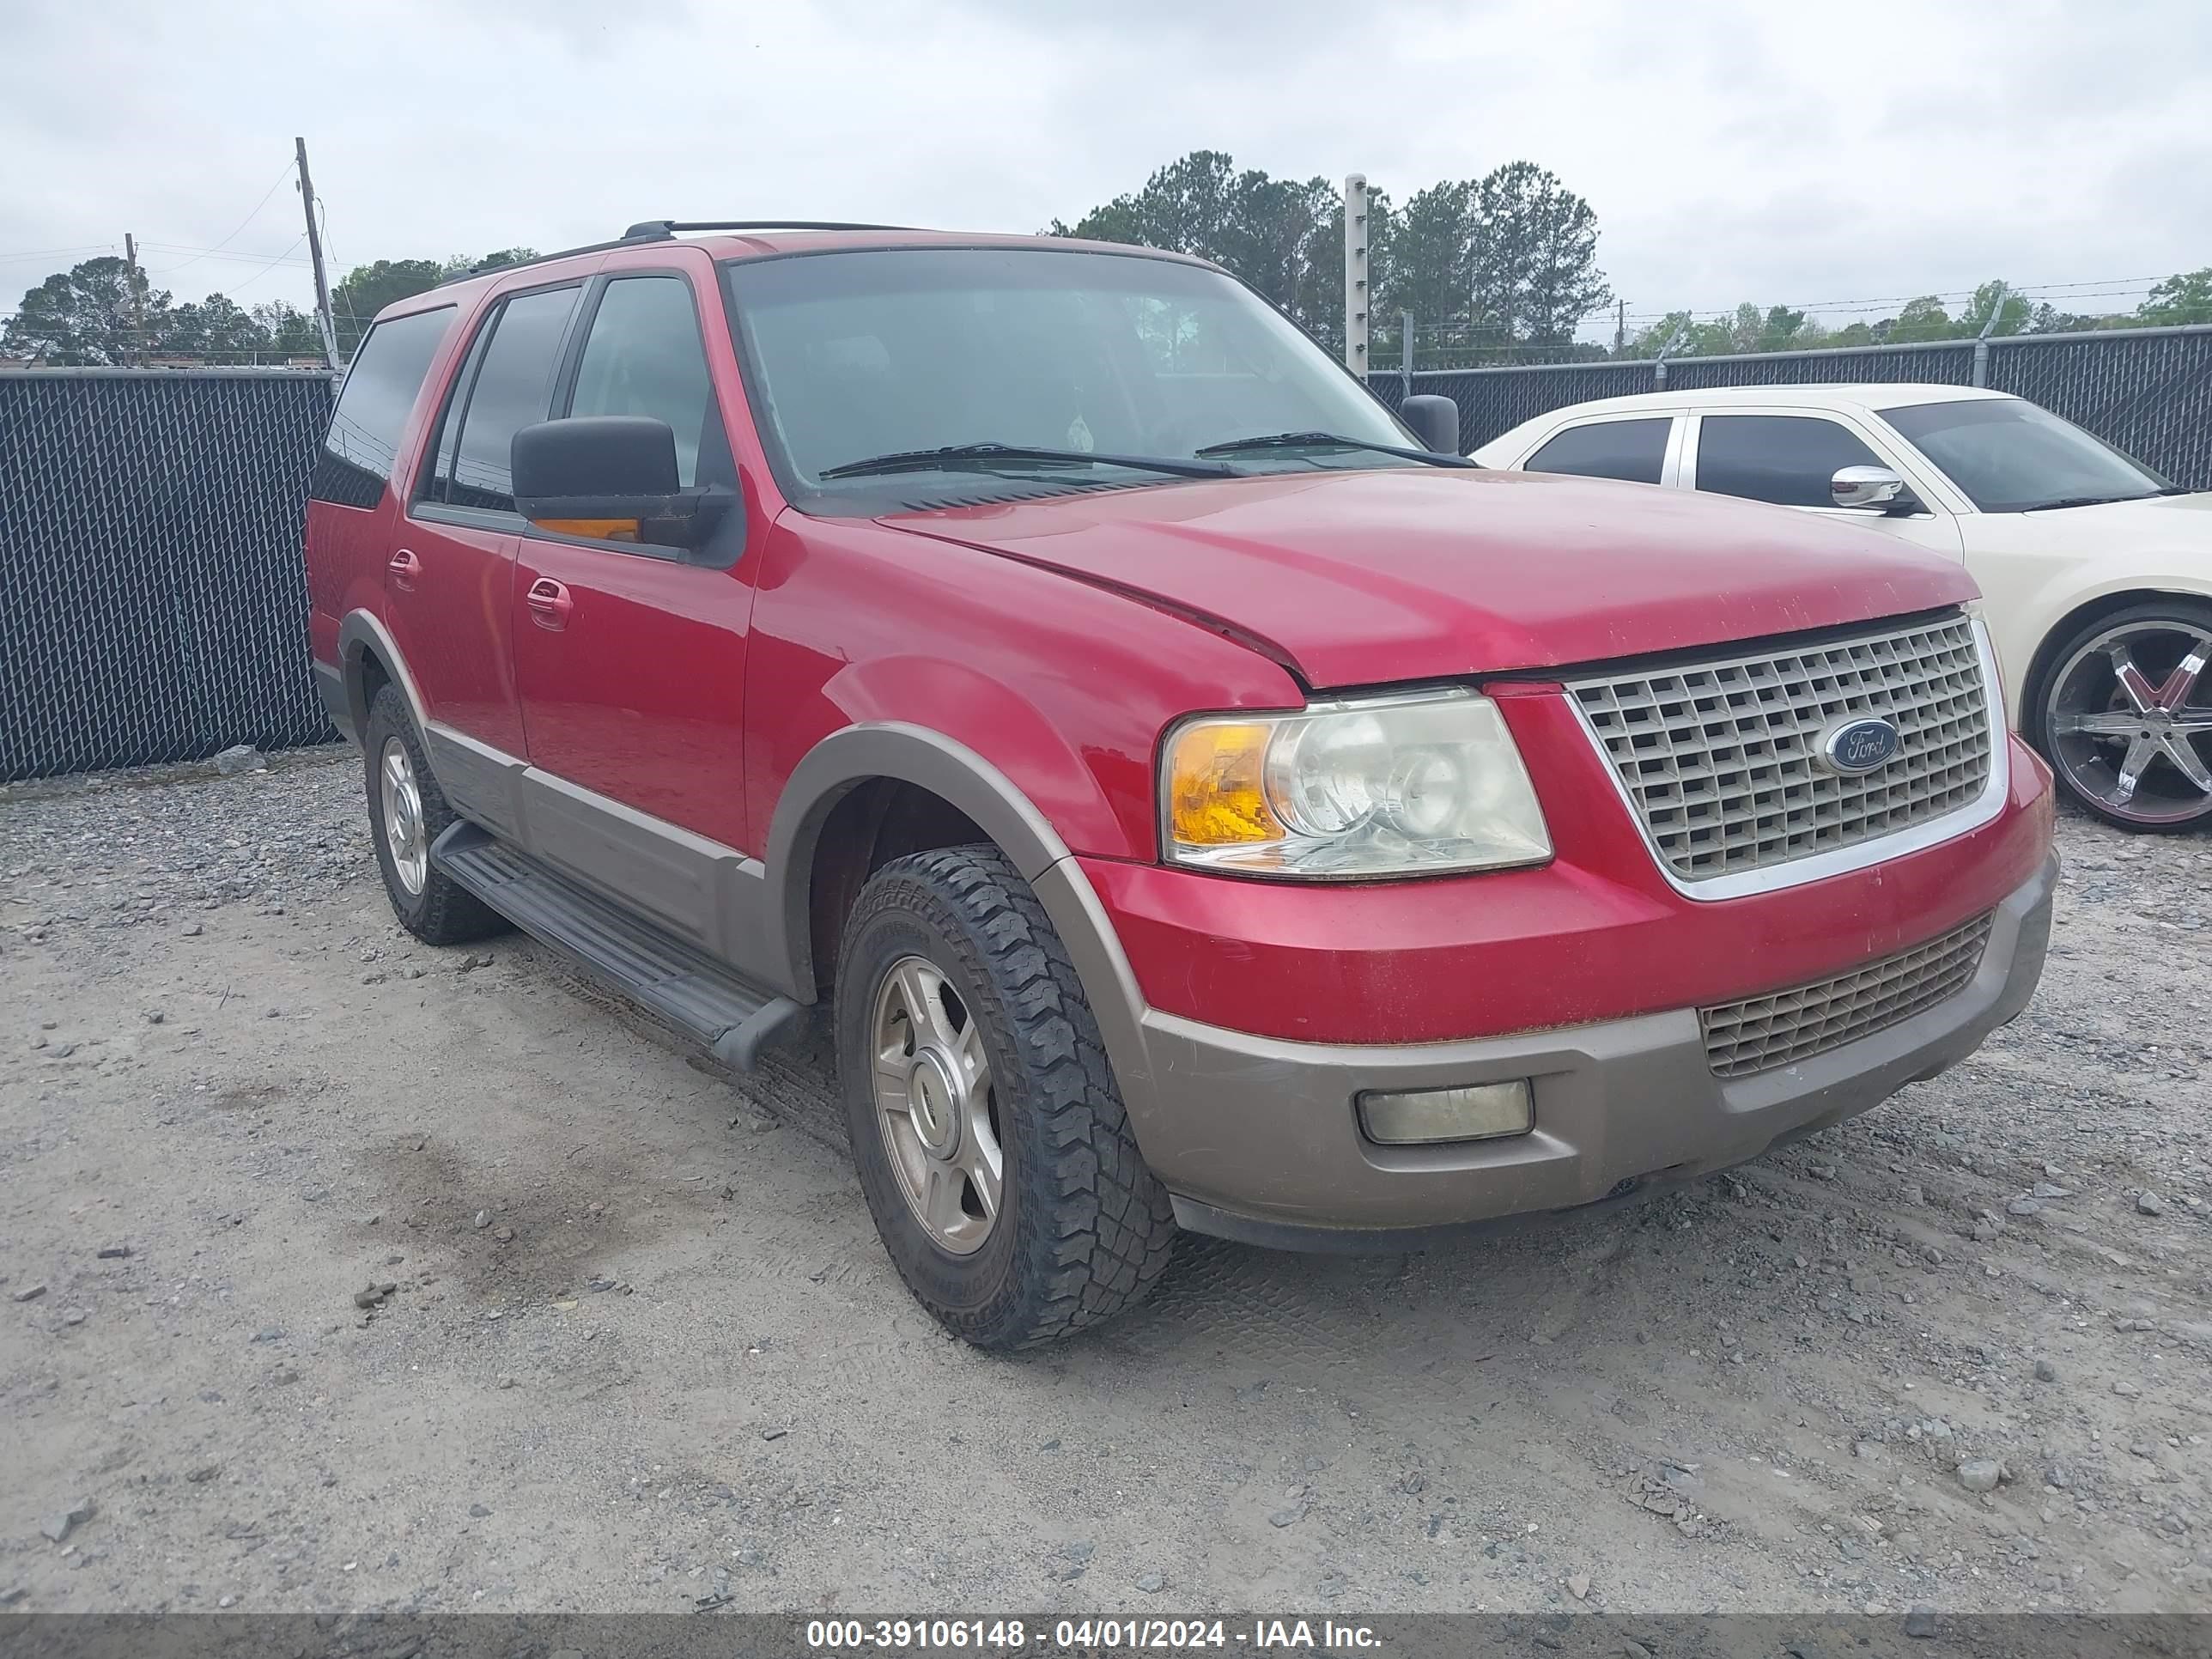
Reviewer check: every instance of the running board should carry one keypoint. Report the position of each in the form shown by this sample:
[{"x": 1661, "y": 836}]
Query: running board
[{"x": 696, "y": 995}]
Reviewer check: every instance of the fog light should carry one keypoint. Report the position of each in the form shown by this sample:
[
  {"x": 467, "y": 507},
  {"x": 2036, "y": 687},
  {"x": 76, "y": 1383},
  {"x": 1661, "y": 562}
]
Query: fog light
[{"x": 1480, "y": 1111}]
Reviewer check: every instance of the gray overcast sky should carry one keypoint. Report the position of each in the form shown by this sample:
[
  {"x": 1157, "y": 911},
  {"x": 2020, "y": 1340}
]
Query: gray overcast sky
[{"x": 1778, "y": 152}]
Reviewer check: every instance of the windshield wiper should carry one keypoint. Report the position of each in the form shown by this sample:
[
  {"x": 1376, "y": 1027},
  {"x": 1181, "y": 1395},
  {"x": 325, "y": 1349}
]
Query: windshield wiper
[
  {"x": 1332, "y": 441},
  {"x": 923, "y": 460},
  {"x": 2088, "y": 500}
]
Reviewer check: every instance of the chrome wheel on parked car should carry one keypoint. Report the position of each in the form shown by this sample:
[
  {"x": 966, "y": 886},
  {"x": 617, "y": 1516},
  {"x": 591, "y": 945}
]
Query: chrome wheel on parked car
[
  {"x": 402, "y": 801},
  {"x": 934, "y": 1105},
  {"x": 2127, "y": 715}
]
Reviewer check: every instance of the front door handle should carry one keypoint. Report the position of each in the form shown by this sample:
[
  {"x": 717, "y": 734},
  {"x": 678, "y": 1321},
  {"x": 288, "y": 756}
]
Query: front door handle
[
  {"x": 549, "y": 604},
  {"x": 405, "y": 568}
]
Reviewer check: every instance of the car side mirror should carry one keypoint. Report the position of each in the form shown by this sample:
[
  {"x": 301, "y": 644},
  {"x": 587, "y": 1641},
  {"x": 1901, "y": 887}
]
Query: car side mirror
[
  {"x": 1435, "y": 421},
  {"x": 1865, "y": 486},
  {"x": 611, "y": 477}
]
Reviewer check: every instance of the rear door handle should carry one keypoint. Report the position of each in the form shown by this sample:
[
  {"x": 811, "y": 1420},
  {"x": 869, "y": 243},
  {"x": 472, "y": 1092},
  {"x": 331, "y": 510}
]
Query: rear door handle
[
  {"x": 549, "y": 604},
  {"x": 405, "y": 568}
]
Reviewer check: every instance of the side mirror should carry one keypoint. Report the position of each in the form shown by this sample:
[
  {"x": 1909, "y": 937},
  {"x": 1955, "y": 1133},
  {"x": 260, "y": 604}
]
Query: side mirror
[
  {"x": 1435, "y": 421},
  {"x": 612, "y": 478},
  {"x": 1865, "y": 486}
]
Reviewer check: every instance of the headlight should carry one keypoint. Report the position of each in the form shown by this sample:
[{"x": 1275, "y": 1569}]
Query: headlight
[{"x": 1406, "y": 785}]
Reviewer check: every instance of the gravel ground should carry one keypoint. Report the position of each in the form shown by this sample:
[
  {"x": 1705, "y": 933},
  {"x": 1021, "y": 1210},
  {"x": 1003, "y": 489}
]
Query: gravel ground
[{"x": 631, "y": 1341}]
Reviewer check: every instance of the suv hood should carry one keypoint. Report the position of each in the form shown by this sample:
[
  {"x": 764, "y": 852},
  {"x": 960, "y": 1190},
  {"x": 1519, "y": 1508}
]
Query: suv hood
[{"x": 1364, "y": 577}]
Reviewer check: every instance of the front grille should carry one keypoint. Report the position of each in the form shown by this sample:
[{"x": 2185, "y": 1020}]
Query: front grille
[
  {"x": 1763, "y": 1032},
  {"x": 1718, "y": 758}
]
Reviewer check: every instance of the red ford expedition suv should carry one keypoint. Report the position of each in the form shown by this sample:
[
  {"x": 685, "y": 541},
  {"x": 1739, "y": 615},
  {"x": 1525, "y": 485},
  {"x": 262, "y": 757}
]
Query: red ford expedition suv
[{"x": 1181, "y": 796}]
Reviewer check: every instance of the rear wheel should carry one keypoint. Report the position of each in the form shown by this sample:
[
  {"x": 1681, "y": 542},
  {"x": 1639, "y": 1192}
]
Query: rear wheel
[
  {"x": 2124, "y": 714},
  {"x": 407, "y": 812},
  {"x": 989, "y": 1136}
]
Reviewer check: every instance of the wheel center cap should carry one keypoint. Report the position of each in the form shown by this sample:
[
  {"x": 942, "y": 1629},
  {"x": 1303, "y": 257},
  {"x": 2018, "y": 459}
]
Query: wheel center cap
[{"x": 934, "y": 1100}]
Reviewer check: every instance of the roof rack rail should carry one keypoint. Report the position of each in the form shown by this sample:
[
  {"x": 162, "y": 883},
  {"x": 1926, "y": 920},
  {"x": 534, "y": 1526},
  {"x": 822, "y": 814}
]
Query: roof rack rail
[
  {"x": 661, "y": 230},
  {"x": 559, "y": 253},
  {"x": 657, "y": 229}
]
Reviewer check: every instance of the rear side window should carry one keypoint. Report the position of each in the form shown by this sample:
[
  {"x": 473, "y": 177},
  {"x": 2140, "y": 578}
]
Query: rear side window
[
  {"x": 644, "y": 357},
  {"x": 379, "y": 389},
  {"x": 1788, "y": 460},
  {"x": 513, "y": 389},
  {"x": 1631, "y": 451}
]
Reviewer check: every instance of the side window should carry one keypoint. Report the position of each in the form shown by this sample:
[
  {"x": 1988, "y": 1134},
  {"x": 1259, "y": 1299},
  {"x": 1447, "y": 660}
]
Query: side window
[
  {"x": 438, "y": 485},
  {"x": 1788, "y": 460},
  {"x": 379, "y": 389},
  {"x": 514, "y": 389},
  {"x": 644, "y": 357},
  {"x": 1633, "y": 451}
]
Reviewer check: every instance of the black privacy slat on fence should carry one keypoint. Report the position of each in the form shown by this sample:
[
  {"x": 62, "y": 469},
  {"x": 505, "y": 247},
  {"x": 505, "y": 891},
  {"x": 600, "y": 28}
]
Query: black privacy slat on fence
[
  {"x": 2149, "y": 393},
  {"x": 154, "y": 606},
  {"x": 1951, "y": 363}
]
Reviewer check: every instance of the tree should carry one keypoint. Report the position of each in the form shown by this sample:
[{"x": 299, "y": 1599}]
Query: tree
[
  {"x": 1923, "y": 318},
  {"x": 93, "y": 315},
  {"x": 2185, "y": 297},
  {"x": 1784, "y": 329},
  {"x": 2013, "y": 312},
  {"x": 1431, "y": 262},
  {"x": 1283, "y": 236},
  {"x": 1535, "y": 254},
  {"x": 214, "y": 327},
  {"x": 460, "y": 265},
  {"x": 290, "y": 332},
  {"x": 367, "y": 289}
]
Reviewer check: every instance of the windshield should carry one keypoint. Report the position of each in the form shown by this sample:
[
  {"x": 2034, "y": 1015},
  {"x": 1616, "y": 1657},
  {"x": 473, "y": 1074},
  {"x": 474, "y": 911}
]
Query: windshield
[
  {"x": 856, "y": 356},
  {"x": 2012, "y": 456}
]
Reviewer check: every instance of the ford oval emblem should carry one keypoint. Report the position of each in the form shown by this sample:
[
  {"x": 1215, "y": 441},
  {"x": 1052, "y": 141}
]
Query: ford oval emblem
[{"x": 1858, "y": 743}]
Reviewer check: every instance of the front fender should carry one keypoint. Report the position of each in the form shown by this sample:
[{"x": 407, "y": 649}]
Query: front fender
[
  {"x": 969, "y": 781},
  {"x": 2030, "y": 627}
]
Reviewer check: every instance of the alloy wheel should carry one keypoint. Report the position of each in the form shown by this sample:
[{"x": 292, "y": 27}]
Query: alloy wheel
[
  {"x": 402, "y": 800},
  {"x": 2129, "y": 716},
  {"x": 934, "y": 1105}
]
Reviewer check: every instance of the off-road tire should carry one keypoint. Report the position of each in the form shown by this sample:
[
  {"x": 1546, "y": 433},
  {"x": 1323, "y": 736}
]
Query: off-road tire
[
  {"x": 1084, "y": 1228},
  {"x": 443, "y": 912}
]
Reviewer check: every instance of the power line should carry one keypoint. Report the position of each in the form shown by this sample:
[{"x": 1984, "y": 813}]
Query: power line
[
  {"x": 49, "y": 252},
  {"x": 242, "y": 224},
  {"x": 280, "y": 259},
  {"x": 240, "y": 257}
]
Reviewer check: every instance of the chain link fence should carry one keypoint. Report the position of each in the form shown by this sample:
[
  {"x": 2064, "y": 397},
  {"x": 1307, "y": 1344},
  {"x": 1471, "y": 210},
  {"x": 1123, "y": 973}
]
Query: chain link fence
[
  {"x": 156, "y": 602},
  {"x": 2147, "y": 391}
]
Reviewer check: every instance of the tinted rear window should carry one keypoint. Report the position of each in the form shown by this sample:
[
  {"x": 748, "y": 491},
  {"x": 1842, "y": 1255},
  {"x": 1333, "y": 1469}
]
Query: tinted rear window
[
  {"x": 380, "y": 390},
  {"x": 1633, "y": 451}
]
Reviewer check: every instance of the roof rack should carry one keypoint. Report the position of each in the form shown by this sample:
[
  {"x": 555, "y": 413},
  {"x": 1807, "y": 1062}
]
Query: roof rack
[
  {"x": 662, "y": 230},
  {"x": 655, "y": 230},
  {"x": 557, "y": 253}
]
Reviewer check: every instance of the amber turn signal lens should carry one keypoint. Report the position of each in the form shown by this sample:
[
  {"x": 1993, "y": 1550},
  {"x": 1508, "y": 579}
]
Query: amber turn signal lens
[
  {"x": 1215, "y": 792},
  {"x": 604, "y": 530}
]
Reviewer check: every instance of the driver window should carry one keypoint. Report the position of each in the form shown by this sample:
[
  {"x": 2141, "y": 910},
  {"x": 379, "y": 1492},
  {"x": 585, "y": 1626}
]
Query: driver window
[{"x": 645, "y": 357}]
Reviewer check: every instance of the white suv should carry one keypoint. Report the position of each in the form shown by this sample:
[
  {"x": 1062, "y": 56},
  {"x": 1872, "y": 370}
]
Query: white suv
[{"x": 2097, "y": 573}]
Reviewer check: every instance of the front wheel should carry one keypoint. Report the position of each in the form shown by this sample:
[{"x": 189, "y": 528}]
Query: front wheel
[
  {"x": 2124, "y": 715},
  {"x": 989, "y": 1136}
]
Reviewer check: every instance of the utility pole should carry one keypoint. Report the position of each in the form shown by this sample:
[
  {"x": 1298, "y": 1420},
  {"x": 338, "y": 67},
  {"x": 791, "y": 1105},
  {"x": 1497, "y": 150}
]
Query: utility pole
[
  {"x": 315, "y": 254},
  {"x": 1355, "y": 274},
  {"x": 137, "y": 299}
]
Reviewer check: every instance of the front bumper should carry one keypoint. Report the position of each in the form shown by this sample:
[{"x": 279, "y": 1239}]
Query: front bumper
[{"x": 1257, "y": 1137}]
